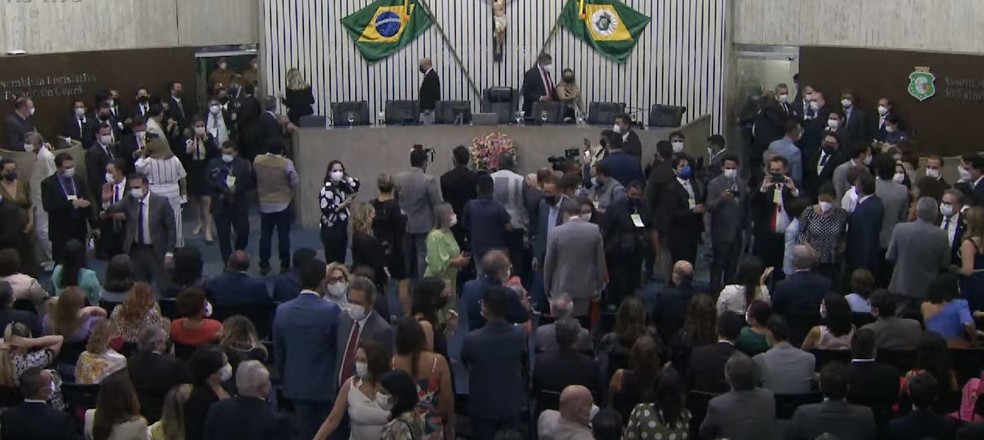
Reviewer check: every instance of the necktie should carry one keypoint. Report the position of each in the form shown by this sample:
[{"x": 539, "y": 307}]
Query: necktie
[
  {"x": 550, "y": 85},
  {"x": 946, "y": 225},
  {"x": 348, "y": 362},
  {"x": 110, "y": 153},
  {"x": 140, "y": 224},
  {"x": 785, "y": 109},
  {"x": 116, "y": 193},
  {"x": 823, "y": 159},
  {"x": 80, "y": 125}
]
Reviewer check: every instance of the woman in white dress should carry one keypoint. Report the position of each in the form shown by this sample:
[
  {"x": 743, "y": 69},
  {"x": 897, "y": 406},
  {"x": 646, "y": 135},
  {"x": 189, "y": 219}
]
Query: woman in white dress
[
  {"x": 750, "y": 286},
  {"x": 166, "y": 176},
  {"x": 358, "y": 396}
]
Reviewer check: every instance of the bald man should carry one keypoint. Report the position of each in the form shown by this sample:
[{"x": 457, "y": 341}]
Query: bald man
[
  {"x": 671, "y": 303},
  {"x": 430, "y": 91},
  {"x": 577, "y": 408},
  {"x": 236, "y": 287}
]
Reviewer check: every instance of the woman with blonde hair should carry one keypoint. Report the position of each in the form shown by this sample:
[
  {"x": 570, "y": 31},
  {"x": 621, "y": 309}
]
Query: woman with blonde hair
[
  {"x": 336, "y": 284},
  {"x": 171, "y": 424},
  {"x": 972, "y": 258},
  {"x": 299, "y": 99},
  {"x": 367, "y": 251},
  {"x": 165, "y": 177},
  {"x": 240, "y": 341},
  {"x": 138, "y": 309},
  {"x": 444, "y": 257},
  {"x": 99, "y": 360},
  {"x": 21, "y": 352}
]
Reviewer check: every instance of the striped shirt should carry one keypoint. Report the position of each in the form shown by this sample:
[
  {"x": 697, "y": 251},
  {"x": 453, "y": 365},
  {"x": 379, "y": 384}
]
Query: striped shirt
[
  {"x": 509, "y": 192},
  {"x": 161, "y": 172}
]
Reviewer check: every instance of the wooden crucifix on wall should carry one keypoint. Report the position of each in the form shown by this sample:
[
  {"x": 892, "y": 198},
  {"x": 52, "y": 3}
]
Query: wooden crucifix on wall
[{"x": 500, "y": 22}]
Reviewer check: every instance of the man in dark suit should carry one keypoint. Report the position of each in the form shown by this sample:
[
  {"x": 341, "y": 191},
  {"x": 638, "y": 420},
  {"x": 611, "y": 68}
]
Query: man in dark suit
[
  {"x": 248, "y": 110},
  {"x": 559, "y": 369},
  {"x": 495, "y": 271},
  {"x": 430, "y": 91},
  {"x": 67, "y": 201},
  {"x": 266, "y": 129},
  {"x": 745, "y": 411},
  {"x": 142, "y": 106},
  {"x": 801, "y": 105},
  {"x": 35, "y": 419},
  {"x": 102, "y": 116},
  {"x": 932, "y": 184},
  {"x": 885, "y": 109},
  {"x": 975, "y": 165},
  {"x": 228, "y": 179},
  {"x": 680, "y": 216},
  {"x": 834, "y": 416},
  {"x": 770, "y": 123},
  {"x": 768, "y": 211},
  {"x": 287, "y": 286},
  {"x": 672, "y": 301},
  {"x": 154, "y": 372},
  {"x": 864, "y": 228},
  {"x": 77, "y": 126},
  {"x": 538, "y": 84},
  {"x": 798, "y": 297},
  {"x": 247, "y": 416},
  {"x": 100, "y": 154},
  {"x": 821, "y": 170},
  {"x": 951, "y": 208},
  {"x": 855, "y": 120},
  {"x": 359, "y": 322},
  {"x": 305, "y": 343},
  {"x": 871, "y": 384},
  {"x": 19, "y": 124},
  {"x": 814, "y": 128},
  {"x": 458, "y": 186},
  {"x": 922, "y": 422},
  {"x": 133, "y": 143},
  {"x": 630, "y": 140},
  {"x": 705, "y": 370},
  {"x": 151, "y": 234},
  {"x": 178, "y": 109},
  {"x": 112, "y": 231},
  {"x": 624, "y": 167},
  {"x": 236, "y": 287}
]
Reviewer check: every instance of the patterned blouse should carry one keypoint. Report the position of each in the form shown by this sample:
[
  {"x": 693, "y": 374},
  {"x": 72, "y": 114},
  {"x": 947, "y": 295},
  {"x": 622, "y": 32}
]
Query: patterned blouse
[
  {"x": 332, "y": 195},
  {"x": 823, "y": 233},
  {"x": 646, "y": 423},
  {"x": 93, "y": 368},
  {"x": 409, "y": 426},
  {"x": 129, "y": 330}
]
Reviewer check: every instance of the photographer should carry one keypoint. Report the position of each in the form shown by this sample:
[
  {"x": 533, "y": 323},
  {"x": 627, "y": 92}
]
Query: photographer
[
  {"x": 769, "y": 213},
  {"x": 336, "y": 197},
  {"x": 229, "y": 179}
]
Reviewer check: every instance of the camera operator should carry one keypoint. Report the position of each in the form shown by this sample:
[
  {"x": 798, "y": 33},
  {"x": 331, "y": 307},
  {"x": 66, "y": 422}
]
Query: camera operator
[
  {"x": 624, "y": 166},
  {"x": 767, "y": 210},
  {"x": 230, "y": 177}
]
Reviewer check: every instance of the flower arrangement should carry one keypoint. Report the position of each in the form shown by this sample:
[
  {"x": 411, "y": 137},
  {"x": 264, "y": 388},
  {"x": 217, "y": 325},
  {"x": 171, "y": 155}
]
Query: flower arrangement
[{"x": 488, "y": 150}]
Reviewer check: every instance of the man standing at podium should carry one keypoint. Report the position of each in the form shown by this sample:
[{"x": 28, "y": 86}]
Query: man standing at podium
[
  {"x": 430, "y": 91},
  {"x": 538, "y": 84}
]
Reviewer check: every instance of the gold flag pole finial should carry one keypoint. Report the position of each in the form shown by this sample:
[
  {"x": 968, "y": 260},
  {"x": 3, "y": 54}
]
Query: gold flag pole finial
[
  {"x": 580, "y": 10},
  {"x": 406, "y": 11}
]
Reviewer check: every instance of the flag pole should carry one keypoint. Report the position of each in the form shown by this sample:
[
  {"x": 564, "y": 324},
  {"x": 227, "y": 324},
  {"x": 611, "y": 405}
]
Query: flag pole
[
  {"x": 447, "y": 41},
  {"x": 553, "y": 31}
]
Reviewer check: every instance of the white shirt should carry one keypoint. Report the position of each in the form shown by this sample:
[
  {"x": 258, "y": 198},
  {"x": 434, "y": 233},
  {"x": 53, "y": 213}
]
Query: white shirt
[
  {"x": 687, "y": 186},
  {"x": 951, "y": 229},
  {"x": 820, "y": 163},
  {"x": 850, "y": 200},
  {"x": 119, "y": 190},
  {"x": 551, "y": 426},
  {"x": 146, "y": 219},
  {"x": 546, "y": 84},
  {"x": 508, "y": 187}
]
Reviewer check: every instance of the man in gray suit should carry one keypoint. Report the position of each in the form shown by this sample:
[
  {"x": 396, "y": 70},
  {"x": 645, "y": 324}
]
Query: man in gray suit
[
  {"x": 359, "y": 322},
  {"x": 892, "y": 332},
  {"x": 418, "y": 193},
  {"x": 561, "y": 307},
  {"x": 919, "y": 251},
  {"x": 575, "y": 260},
  {"x": 834, "y": 416},
  {"x": 895, "y": 199},
  {"x": 784, "y": 369},
  {"x": 726, "y": 204},
  {"x": 745, "y": 412},
  {"x": 150, "y": 231}
]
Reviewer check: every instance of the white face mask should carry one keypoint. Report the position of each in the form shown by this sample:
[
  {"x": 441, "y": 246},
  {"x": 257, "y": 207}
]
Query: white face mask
[
  {"x": 32, "y": 111},
  {"x": 383, "y": 401},
  {"x": 617, "y": 129},
  {"x": 106, "y": 140},
  {"x": 890, "y": 128},
  {"x": 846, "y": 103},
  {"x": 946, "y": 209},
  {"x": 137, "y": 193},
  {"x": 932, "y": 173},
  {"x": 227, "y": 158},
  {"x": 215, "y": 109},
  {"x": 69, "y": 172},
  {"x": 79, "y": 112},
  {"x": 361, "y": 369},
  {"x": 548, "y": 68},
  {"x": 823, "y": 310},
  {"x": 882, "y": 110},
  {"x": 833, "y": 123},
  {"x": 208, "y": 309},
  {"x": 28, "y": 148},
  {"x": 867, "y": 160},
  {"x": 814, "y": 106},
  {"x": 964, "y": 174},
  {"x": 825, "y": 207},
  {"x": 784, "y": 97},
  {"x": 356, "y": 312},
  {"x": 677, "y": 147},
  {"x": 336, "y": 176},
  {"x": 731, "y": 173},
  {"x": 899, "y": 177},
  {"x": 337, "y": 290},
  {"x": 454, "y": 220},
  {"x": 222, "y": 66},
  {"x": 109, "y": 177},
  {"x": 140, "y": 134},
  {"x": 225, "y": 373}
]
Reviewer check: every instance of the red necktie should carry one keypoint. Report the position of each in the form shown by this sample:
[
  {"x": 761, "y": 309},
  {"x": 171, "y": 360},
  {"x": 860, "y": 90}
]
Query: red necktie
[
  {"x": 348, "y": 362},
  {"x": 550, "y": 86}
]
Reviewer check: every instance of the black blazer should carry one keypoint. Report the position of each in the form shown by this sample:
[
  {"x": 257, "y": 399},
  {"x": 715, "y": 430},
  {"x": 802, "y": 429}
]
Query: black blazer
[
  {"x": 533, "y": 89},
  {"x": 633, "y": 145},
  {"x": 62, "y": 216},
  {"x": 856, "y": 128},
  {"x": 920, "y": 425},
  {"x": 705, "y": 370},
  {"x": 95, "y": 168},
  {"x": 800, "y": 294},
  {"x": 430, "y": 91},
  {"x": 877, "y": 129},
  {"x": 770, "y": 122},
  {"x": 126, "y": 148},
  {"x": 367, "y": 251},
  {"x": 37, "y": 421},
  {"x": 554, "y": 371},
  {"x": 81, "y": 132},
  {"x": 215, "y": 178},
  {"x": 94, "y": 124},
  {"x": 827, "y": 173},
  {"x": 245, "y": 418},
  {"x": 267, "y": 130},
  {"x": 458, "y": 187},
  {"x": 874, "y": 385},
  {"x": 299, "y": 103},
  {"x": 674, "y": 215},
  {"x": 153, "y": 375},
  {"x": 10, "y": 316},
  {"x": 762, "y": 207},
  {"x": 863, "y": 229},
  {"x": 180, "y": 112},
  {"x": 15, "y": 129},
  {"x": 196, "y": 410},
  {"x": 957, "y": 239}
]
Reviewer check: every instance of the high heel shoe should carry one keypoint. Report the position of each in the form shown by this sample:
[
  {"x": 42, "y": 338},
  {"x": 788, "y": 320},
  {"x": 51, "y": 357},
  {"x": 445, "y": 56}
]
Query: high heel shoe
[
  {"x": 197, "y": 230},
  {"x": 208, "y": 237}
]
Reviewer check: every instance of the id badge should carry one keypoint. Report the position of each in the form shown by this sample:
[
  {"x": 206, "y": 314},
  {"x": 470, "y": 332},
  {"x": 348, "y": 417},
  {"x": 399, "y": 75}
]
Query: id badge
[
  {"x": 230, "y": 181},
  {"x": 691, "y": 203},
  {"x": 72, "y": 198},
  {"x": 637, "y": 221}
]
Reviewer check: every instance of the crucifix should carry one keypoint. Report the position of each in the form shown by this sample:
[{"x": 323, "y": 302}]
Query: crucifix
[{"x": 500, "y": 22}]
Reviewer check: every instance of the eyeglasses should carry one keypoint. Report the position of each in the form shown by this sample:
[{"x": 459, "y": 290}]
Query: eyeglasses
[{"x": 336, "y": 280}]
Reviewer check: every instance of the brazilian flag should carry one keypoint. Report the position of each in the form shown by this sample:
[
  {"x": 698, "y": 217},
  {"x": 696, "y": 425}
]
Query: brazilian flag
[
  {"x": 385, "y": 26},
  {"x": 612, "y": 27}
]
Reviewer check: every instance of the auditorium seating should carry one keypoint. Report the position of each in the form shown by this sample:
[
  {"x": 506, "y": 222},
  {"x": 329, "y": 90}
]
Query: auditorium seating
[
  {"x": 403, "y": 112},
  {"x": 786, "y": 404},
  {"x": 553, "y": 110},
  {"x": 825, "y": 356},
  {"x": 78, "y": 396},
  {"x": 357, "y": 110},
  {"x": 453, "y": 112},
  {"x": 26, "y": 305},
  {"x": 697, "y": 405},
  {"x": 662, "y": 116},
  {"x": 169, "y": 308},
  {"x": 312, "y": 121},
  {"x": 503, "y": 101},
  {"x": 603, "y": 113}
]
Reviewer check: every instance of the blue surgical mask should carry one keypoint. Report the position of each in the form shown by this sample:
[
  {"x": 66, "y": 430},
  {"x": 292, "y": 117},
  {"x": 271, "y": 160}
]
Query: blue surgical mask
[
  {"x": 686, "y": 172},
  {"x": 227, "y": 158}
]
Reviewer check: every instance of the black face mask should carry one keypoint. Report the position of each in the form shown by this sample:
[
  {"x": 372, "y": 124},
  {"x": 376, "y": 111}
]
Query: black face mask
[
  {"x": 143, "y": 99},
  {"x": 569, "y": 79},
  {"x": 223, "y": 99},
  {"x": 103, "y": 117},
  {"x": 829, "y": 149},
  {"x": 551, "y": 200}
]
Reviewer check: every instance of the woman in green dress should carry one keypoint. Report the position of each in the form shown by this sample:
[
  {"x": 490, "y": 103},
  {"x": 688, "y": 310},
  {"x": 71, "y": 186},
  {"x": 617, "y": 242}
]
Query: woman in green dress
[
  {"x": 444, "y": 257},
  {"x": 15, "y": 190},
  {"x": 752, "y": 340}
]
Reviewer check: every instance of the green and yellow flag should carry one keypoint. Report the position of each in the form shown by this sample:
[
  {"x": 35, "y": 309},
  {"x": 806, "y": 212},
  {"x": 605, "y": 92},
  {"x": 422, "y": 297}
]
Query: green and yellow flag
[
  {"x": 385, "y": 26},
  {"x": 612, "y": 27}
]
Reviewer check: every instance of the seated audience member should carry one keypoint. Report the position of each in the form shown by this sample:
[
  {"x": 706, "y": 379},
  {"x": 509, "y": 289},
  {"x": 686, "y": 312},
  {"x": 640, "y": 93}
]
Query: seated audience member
[
  {"x": 69, "y": 317},
  {"x": 606, "y": 425},
  {"x": 360, "y": 322},
  {"x": 495, "y": 356},
  {"x": 119, "y": 280},
  {"x": 699, "y": 329},
  {"x": 430, "y": 296},
  {"x": 784, "y": 369},
  {"x": 117, "y": 412},
  {"x": 194, "y": 328},
  {"x": 247, "y": 416},
  {"x": 495, "y": 272},
  {"x": 287, "y": 286},
  {"x": 945, "y": 313},
  {"x": 23, "y": 286},
  {"x": 99, "y": 360},
  {"x": 630, "y": 325},
  {"x": 209, "y": 368},
  {"x": 753, "y": 340},
  {"x": 862, "y": 284},
  {"x": 671, "y": 303},
  {"x": 922, "y": 422},
  {"x": 429, "y": 370},
  {"x": 154, "y": 372},
  {"x": 171, "y": 424},
  {"x": 973, "y": 431},
  {"x": 666, "y": 415},
  {"x": 559, "y": 369},
  {"x": 750, "y": 287},
  {"x": 240, "y": 342},
  {"x": 572, "y": 420},
  {"x": 629, "y": 386},
  {"x": 138, "y": 309},
  {"x": 10, "y": 315},
  {"x": 35, "y": 419},
  {"x": 871, "y": 383},
  {"x": 187, "y": 271},
  {"x": 834, "y": 416},
  {"x": 933, "y": 357},
  {"x": 837, "y": 331},
  {"x": 236, "y": 287},
  {"x": 72, "y": 272},
  {"x": 744, "y": 412},
  {"x": 705, "y": 371},
  {"x": 561, "y": 307},
  {"x": 891, "y": 332},
  {"x": 357, "y": 396},
  {"x": 397, "y": 394},
  {"x": 798, "y": 297}
]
